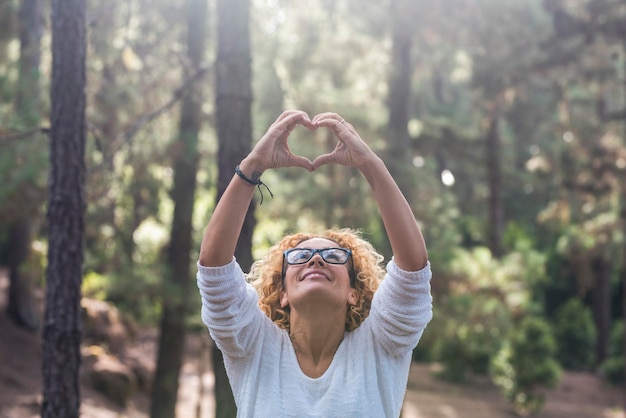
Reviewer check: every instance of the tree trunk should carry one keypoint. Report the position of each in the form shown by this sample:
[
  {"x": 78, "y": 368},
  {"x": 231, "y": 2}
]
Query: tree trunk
[
  {"x": 27, "y": 97},
  {"x": 21, "y": 306},
  {"x": 398, "y": 156},
  {"x": 224, "y": 400},
  {"x": 175, "y": 302},
  {"x": 601, "y": 296},
  {"x": 623, "y": 224},
  {"x": 495, "y": 222},
  {"x": 234, "y": 129},
  {"x": 66, "y": 207},
  {"x": 623, "y": 221},
  {"x": 398, "y": 139},
  {"x": 7, "y": 27}
]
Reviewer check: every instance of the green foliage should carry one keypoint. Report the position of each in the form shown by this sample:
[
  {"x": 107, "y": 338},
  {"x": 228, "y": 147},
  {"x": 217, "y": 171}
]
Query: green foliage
[
  {"x": 516, "y": 237},
  {"x": 469, "y": 330},
  {"x": 561, "y": 173},
  {"x": 510, "y": 278},
  {"x": 95, "y": 286},
  {"x": 471, "y": 320},
  {"x": 23, "y": 168},
  {"x": 575, "y": 334},
  {"x": 614, "y": 366},
  {"x": 525, "y": 365},
  {"x": 613, "y": 369},
  {"x": 136, "y": 292}
]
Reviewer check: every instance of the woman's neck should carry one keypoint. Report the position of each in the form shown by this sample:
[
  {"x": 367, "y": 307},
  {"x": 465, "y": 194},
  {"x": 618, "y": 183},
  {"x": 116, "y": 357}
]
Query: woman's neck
[{"x": 315, "y": 340}]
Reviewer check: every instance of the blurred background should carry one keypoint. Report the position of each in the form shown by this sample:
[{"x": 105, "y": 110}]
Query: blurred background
[{"x": 503, "y": 122}]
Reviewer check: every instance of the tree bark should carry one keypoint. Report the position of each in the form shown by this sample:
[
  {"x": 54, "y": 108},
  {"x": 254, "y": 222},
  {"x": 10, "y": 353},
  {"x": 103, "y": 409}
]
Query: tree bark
[
  {"x": 234, "y": 129},
  {"x": 398, "y": 138},
  {"x": 623, "y": 221},
  {"x": 7, "y": 27},
  {"x": 398, "y": 155},
  {"x": 495, "y": 222},
  {"x": 27, "y": 97},
  {"x": 21, "y": 307},
  {"x": 623, "y": 273},
  {"x": 66, "y": 207},
  {"x": 601, "y": 296},
  {"x": 172, "y": 335}
]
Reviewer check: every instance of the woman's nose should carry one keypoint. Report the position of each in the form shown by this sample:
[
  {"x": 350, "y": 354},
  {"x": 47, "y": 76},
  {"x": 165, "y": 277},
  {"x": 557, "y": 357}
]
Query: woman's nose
[{"x": 316, "y": 259}]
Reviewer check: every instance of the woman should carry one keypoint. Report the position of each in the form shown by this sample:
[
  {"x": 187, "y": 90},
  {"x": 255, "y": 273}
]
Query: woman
[{"x": 315, "y": 347}]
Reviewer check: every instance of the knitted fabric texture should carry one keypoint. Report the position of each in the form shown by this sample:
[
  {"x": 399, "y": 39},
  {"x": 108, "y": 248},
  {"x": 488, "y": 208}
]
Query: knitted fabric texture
[{"x": 368, "y": 374}]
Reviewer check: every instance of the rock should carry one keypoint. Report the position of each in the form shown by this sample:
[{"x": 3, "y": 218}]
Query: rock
[
  {"x": 103, "y": 325},
  {"x": 109, "y": 376},
  {"x": 143, "y": 373}
]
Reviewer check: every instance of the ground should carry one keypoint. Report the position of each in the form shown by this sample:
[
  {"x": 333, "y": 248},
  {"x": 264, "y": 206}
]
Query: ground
[{"x": 579, "y": 395}]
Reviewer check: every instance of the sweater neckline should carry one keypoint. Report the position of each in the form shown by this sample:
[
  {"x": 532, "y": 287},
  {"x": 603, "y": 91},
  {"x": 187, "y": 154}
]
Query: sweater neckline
[{"x": 327, "y": 372}]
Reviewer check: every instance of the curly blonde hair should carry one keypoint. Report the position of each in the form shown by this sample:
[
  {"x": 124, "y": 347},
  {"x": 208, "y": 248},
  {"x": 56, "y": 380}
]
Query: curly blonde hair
[{"x": 266, "y": 275}]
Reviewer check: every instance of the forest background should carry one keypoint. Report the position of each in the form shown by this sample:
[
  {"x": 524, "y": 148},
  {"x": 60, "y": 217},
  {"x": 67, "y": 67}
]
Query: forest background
[{"x": 503, "y": 121}]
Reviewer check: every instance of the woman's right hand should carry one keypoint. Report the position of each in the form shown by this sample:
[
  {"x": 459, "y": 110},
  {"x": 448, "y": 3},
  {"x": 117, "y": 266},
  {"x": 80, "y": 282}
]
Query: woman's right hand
[{"x": 272, "y": 150}]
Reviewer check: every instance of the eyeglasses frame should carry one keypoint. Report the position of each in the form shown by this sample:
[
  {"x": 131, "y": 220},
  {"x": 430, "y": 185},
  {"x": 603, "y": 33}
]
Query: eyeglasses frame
[{"x": 351, "y": 272}]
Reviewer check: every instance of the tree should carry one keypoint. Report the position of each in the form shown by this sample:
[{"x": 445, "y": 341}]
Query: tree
[
  {"x": 8, "y": 9},
  {"x": 399, "y": 100},
  {"x": 494, "y": 180},
  {"x": 593, "y": 176},
  {"x": 234, "y": 129},
  {"x": 66, "y": 206},
  {"x": 172, "y": 335},
  {"x": 498, "y": 69},
  {"x": 21, "y": 305}
]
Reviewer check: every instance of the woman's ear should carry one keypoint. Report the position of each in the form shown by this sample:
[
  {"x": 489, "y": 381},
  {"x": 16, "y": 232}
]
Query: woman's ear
[
  {"x": 353, "y": 297},
  {"x": 284, "y": 301}
]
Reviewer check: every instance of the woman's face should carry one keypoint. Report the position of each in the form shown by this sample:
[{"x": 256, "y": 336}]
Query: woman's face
[{"x": 318, "y": 281}]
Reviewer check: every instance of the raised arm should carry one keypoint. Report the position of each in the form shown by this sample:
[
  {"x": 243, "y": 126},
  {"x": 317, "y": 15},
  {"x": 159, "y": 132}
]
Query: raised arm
[
  {"x": 405, "y": 237},
  {"x": 222, "y": 232}
]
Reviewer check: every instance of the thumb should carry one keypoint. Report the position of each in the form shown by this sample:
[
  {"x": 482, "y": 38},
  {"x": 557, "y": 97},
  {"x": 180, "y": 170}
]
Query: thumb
[
  {"x": 299, "y": 161},
  {"x": 322, "y": 160}
]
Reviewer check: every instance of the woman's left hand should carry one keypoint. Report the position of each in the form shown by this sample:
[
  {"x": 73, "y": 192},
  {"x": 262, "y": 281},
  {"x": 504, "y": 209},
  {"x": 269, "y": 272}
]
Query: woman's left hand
[{"x": 350, "y": 151}]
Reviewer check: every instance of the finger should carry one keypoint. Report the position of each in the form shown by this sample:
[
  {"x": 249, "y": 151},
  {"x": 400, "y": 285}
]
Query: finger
[
  {"x": 290, "y": 116},
  {"x": 299, "y": 161},
  {"x": 284, "y": 128},
  {"x": 326, "y": 116},
  {"x": 293, "y": 114},
  {"x": 323, "y": 160},
  {"x": 293, "y": 119},
  {"x": 334, "y": 124},
  {"x": 321, "y": 115},
  {"x": 288, "y": 113}
]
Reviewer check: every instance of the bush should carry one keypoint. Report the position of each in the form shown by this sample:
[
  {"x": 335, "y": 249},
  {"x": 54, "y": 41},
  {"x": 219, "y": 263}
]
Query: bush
[
  {"x": 469, "y": 332},
  {"x": 137, "y": 291},
  {"x": 613, "y": 369},
  {"x": 575, "y": 334},
  {"x": 526, "y": 365},
  {"x": 613, "y": 366}
]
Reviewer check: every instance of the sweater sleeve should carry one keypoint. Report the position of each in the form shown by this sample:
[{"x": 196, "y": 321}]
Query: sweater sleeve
[
  {"x": 229, "y": 308},
  {"x": 401, "y": 308}
]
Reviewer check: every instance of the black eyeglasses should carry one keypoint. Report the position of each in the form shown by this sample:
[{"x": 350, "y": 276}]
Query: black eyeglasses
[{"x": 329, "y": 255}]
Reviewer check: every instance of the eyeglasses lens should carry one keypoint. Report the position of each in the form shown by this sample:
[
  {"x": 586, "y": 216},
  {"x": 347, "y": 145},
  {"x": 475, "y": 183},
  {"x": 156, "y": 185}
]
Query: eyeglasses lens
[{"x": 329, "y": 255}]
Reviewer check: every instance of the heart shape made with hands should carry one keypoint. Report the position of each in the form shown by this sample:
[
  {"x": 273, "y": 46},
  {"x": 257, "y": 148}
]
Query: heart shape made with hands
[
  {"x": 328, "y": 141},
  {"x": 311, "y": 142}
]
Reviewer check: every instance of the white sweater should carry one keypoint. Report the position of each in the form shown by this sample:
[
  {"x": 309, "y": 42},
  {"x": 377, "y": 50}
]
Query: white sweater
[{"x": 368, "y": 374}]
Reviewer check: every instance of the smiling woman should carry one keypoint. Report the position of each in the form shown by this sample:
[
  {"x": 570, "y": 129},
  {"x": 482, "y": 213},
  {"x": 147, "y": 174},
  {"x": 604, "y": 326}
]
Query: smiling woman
[
  {"x": 365, "y": 272},
  {"x": 319, "y": 328}
]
